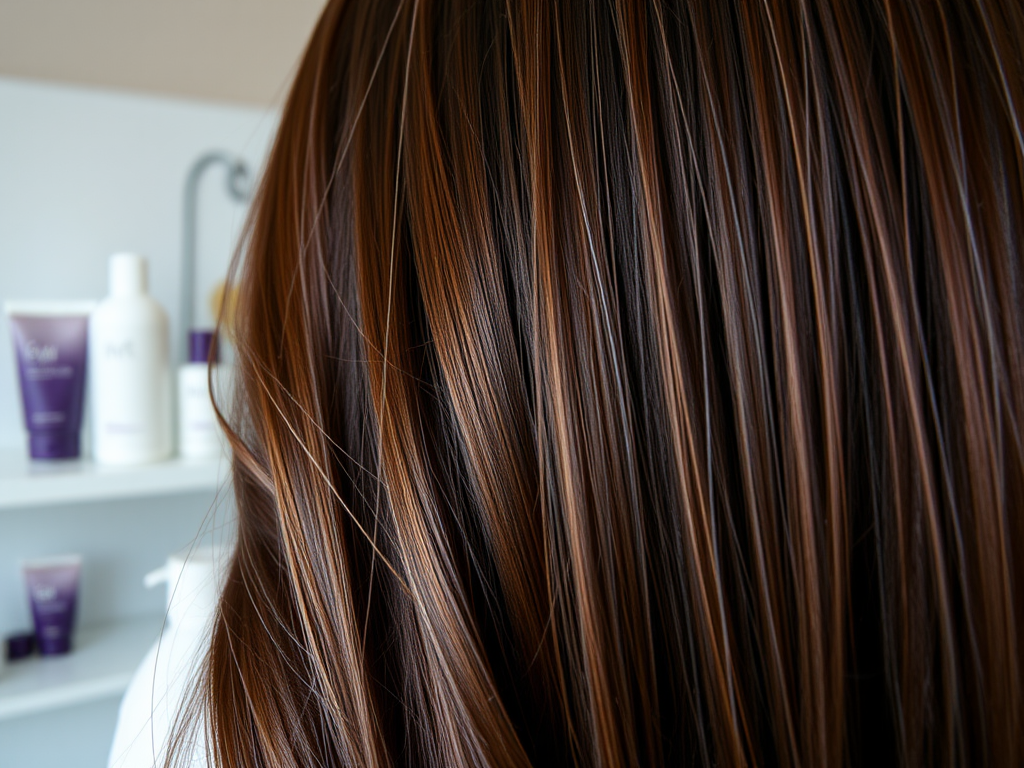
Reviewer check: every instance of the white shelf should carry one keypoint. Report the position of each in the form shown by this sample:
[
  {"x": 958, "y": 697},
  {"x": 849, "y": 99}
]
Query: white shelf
[
  {"x": 25, "y": 483},
  {"x": 99, "y": 666}
]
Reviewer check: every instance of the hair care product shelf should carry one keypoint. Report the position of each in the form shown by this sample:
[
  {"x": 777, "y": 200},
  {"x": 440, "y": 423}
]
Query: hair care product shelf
[
  {"x": 24, "y": 483},
  {"x": 100, "y": 665}
]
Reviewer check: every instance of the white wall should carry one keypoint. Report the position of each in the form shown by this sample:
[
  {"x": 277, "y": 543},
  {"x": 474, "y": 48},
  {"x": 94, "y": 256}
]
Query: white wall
[
  {"x": 85, "y": 173},
  {"x": 74, "y": 737}
]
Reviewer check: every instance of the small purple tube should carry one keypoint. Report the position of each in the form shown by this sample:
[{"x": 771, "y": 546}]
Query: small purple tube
[
  {"x": 50, "y": 345},
  {"x": 52, "y": 585}
]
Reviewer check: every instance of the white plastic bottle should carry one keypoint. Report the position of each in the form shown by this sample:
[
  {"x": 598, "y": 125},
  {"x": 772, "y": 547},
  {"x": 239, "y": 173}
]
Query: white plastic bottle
[
  {"x": 129, "y": 364},
  {"x": 199, "y": 433},
  {"x": 162, "y": 683}
]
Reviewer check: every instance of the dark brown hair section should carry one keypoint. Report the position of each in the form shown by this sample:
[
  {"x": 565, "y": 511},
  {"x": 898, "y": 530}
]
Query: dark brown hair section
[{"x": 633, "y": 383}]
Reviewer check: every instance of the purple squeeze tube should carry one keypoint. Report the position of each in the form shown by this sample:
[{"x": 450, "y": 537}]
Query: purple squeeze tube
[
  {"x": 52, "y": 585},
  {"x": 50, "y": 341}
]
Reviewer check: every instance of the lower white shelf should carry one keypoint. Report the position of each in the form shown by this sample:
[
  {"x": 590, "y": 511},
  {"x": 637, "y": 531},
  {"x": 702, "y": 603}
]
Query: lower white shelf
[{"x": 99, "y": 666}]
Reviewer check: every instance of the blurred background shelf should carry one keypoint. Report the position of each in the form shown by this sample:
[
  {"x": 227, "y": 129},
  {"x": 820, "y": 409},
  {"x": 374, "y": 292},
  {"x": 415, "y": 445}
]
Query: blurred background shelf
[
  {"x": 100, "y": 666},
  {"x": 30, "y": 484}
]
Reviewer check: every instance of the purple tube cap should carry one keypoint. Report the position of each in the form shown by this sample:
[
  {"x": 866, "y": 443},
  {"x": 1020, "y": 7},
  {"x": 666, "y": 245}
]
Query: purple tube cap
[
  {"x": 48, "y": 444},
  {"x": 199, "y": 345},
  {"x": 20, "y": 645}
]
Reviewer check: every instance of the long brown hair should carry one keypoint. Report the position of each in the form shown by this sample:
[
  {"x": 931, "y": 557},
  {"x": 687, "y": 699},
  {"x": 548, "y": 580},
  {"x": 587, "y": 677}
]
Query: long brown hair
[{"x": 633, "y": 383}]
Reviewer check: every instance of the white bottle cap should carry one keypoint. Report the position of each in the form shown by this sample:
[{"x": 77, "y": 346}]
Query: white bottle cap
[{"x": 127, "y": 274}]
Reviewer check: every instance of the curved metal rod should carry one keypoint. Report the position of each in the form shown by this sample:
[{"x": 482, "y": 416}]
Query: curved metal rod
[{"x": 239, "y": 188}]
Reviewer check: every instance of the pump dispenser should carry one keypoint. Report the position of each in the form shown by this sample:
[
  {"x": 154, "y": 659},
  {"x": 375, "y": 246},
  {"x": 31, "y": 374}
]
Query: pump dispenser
[
  {"x": 163, "y": 681},
  {"x": 130, "y": 369}
]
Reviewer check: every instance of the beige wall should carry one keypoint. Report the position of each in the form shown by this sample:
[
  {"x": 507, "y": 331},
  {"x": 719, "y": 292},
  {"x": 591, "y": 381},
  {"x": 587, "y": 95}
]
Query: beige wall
[{"x": 230, "y": 50}]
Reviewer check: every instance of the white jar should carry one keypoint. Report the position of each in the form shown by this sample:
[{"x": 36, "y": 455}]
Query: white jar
[
  {"x": 129, "y": 364},
  {"x": 199, "y": 432}
]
